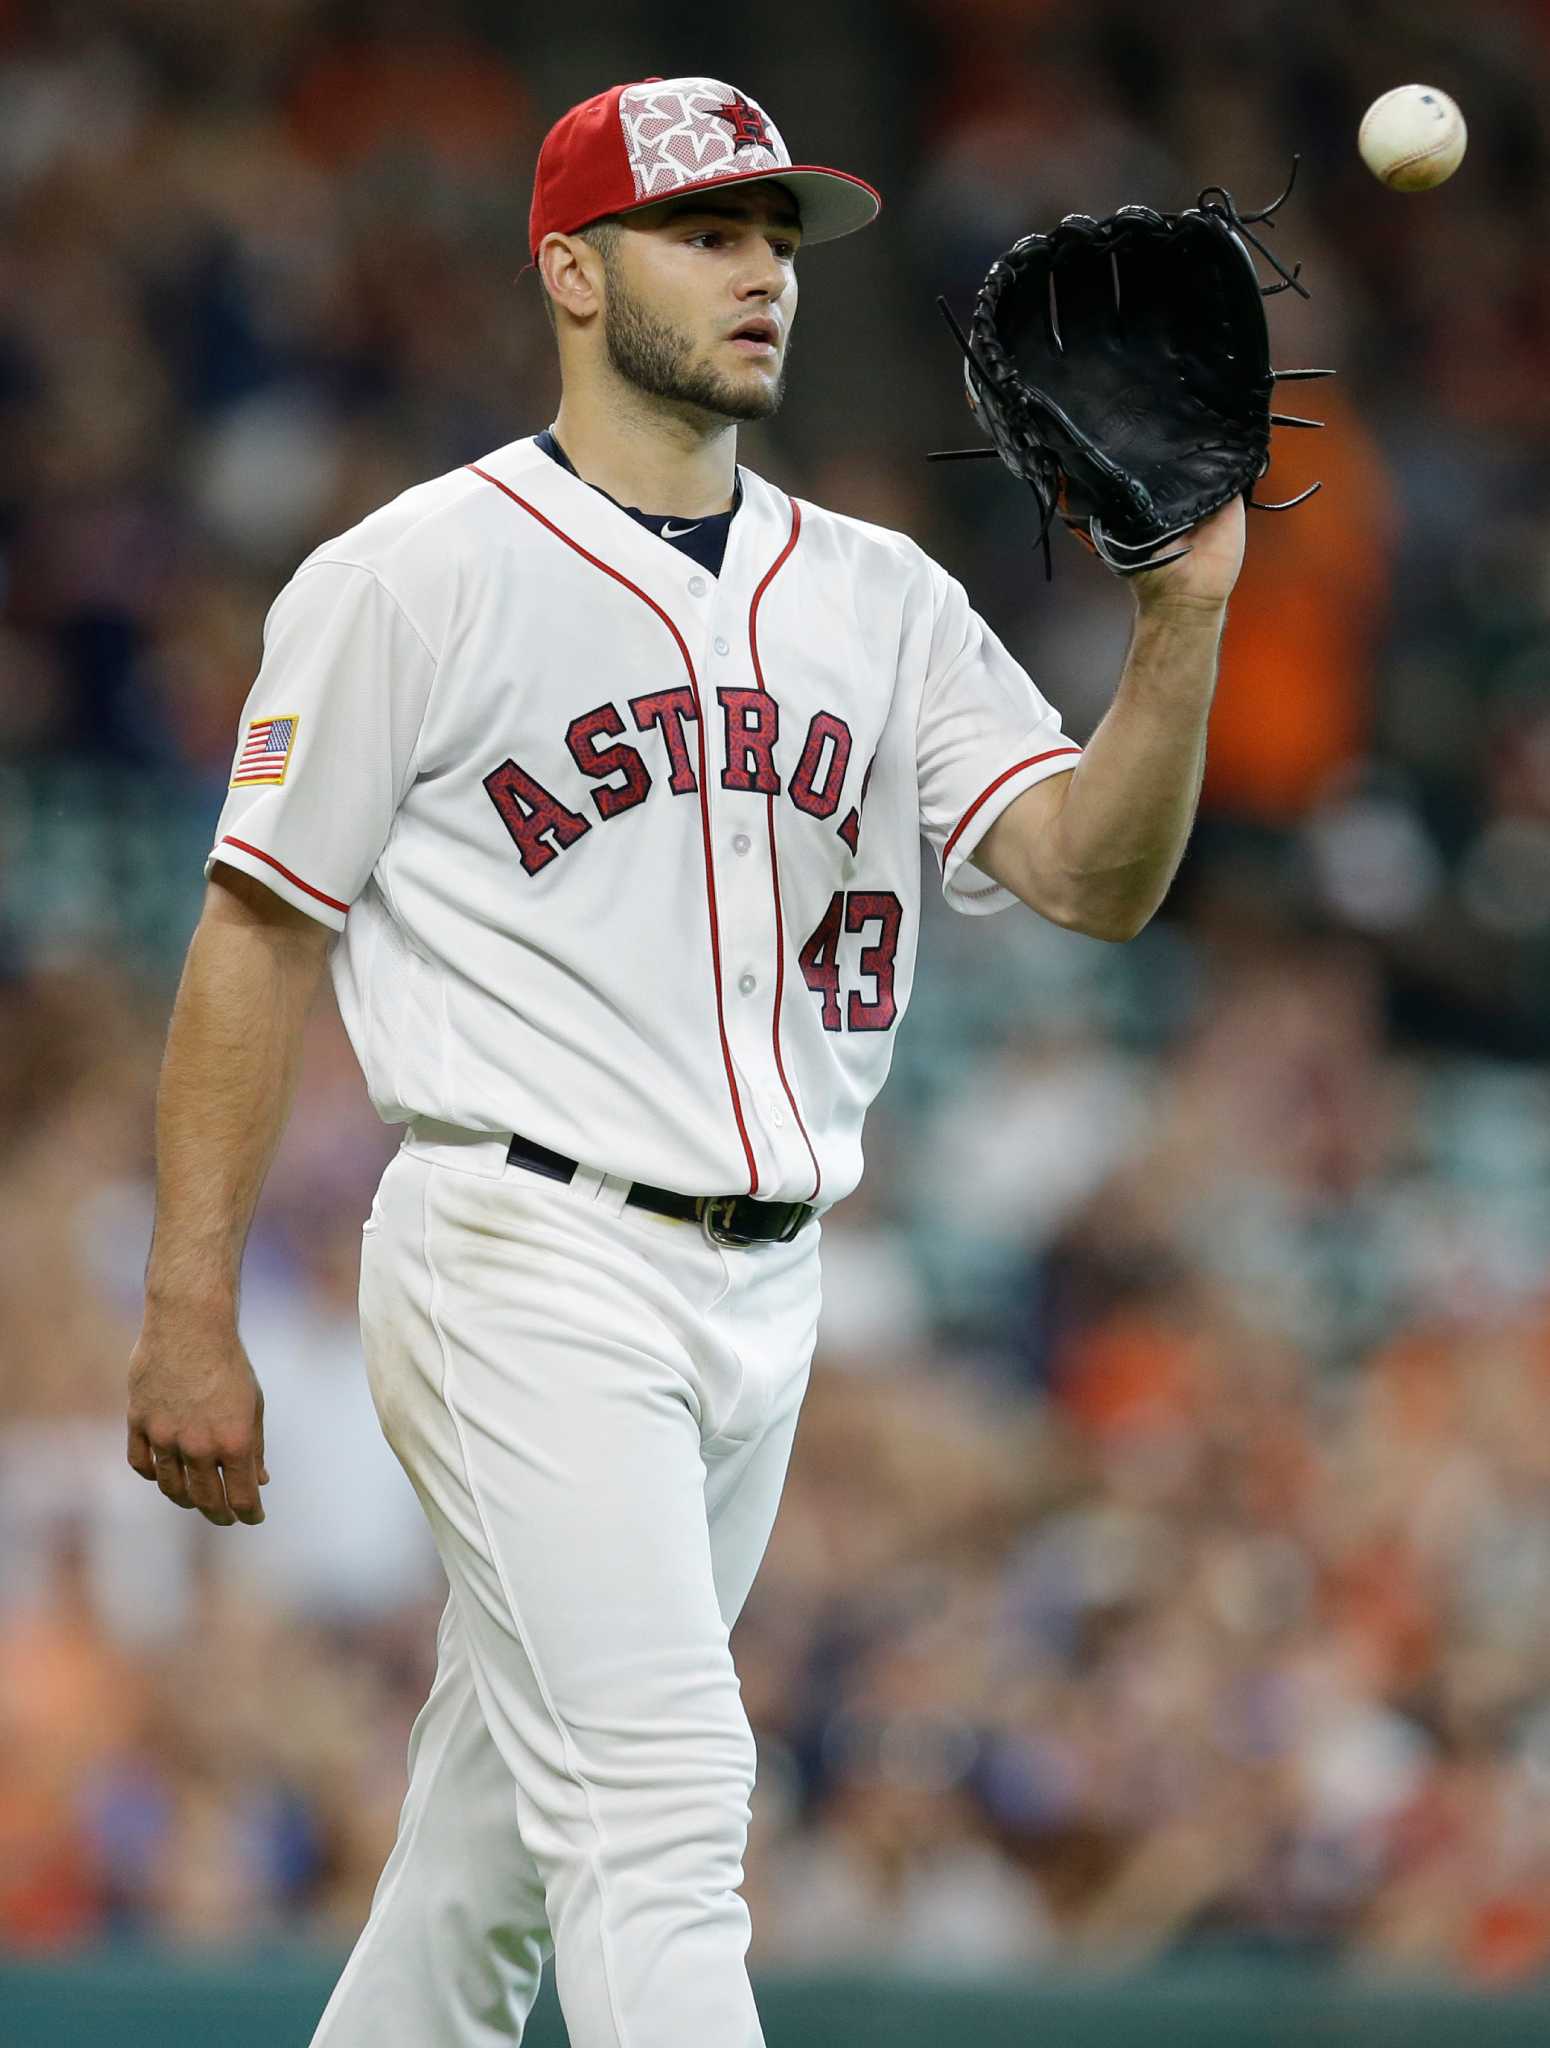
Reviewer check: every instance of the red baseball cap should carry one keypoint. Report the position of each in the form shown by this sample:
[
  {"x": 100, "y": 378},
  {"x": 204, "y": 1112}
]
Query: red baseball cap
[{"x": 657, "y": 138}]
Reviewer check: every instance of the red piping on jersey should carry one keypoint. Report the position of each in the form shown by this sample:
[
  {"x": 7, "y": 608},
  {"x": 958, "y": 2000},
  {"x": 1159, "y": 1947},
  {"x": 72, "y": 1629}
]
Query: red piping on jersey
[
  {"x": 279, "y": 867},
  {"x": 780, "y": 938},
  {"x": 710, "y": 879},
  {"x": 986, "y": 794}
]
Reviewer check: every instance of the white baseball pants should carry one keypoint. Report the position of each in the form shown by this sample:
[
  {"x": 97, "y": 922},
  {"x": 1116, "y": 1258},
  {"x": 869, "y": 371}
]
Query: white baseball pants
[{"x": 596, "y": 1408}]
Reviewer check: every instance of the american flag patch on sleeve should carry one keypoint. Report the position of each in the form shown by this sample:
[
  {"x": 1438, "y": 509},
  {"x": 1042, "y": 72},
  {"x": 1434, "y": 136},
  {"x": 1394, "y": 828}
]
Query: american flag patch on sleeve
[{"x": 266, "y": 752}]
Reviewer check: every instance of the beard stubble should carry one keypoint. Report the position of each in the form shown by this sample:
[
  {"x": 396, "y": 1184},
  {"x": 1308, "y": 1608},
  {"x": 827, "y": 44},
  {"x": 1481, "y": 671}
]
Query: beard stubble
[{"x": 658, "y": 358}]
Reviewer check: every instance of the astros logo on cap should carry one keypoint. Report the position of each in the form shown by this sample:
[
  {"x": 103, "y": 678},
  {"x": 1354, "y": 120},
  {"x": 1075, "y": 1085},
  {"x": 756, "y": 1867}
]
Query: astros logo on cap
[{"x": 749, "y": 128}]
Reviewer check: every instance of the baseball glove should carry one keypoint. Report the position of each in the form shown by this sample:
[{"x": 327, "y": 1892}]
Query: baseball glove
[{"x": 1121, "y": 368}]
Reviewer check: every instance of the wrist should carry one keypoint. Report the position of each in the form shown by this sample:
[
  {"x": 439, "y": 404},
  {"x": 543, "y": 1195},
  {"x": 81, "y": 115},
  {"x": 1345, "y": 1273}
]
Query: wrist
[
  {"x": 1181, "y": 609},
  {"x": 210, "y": 1305}
]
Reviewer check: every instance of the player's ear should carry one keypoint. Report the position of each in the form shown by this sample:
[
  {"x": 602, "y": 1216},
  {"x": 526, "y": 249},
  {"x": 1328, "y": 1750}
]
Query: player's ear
[{"x": 572, "y": 274}]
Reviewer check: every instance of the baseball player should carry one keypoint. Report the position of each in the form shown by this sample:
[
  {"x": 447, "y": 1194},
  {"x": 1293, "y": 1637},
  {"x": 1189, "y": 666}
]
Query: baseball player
[{"x": 596, "y": 771}]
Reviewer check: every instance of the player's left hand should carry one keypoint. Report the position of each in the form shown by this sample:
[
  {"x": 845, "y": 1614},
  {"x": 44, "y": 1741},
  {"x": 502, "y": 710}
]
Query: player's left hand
[{"x": 1203, "y": 578}]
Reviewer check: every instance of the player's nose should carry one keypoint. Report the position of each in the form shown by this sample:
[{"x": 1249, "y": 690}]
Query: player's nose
[{"x": 765, "y": 276}]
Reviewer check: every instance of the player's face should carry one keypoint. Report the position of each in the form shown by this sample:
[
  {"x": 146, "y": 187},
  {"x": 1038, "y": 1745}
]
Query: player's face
[{"x": 684, "y": 278}]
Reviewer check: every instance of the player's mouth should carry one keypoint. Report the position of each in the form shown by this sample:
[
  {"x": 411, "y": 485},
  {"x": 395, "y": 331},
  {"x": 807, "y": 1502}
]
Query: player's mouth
[{"x": 756, "y": 337}]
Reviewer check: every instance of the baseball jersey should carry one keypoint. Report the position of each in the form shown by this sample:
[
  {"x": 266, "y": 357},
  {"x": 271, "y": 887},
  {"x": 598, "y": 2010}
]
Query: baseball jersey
[{"x": 625, "y": 856}]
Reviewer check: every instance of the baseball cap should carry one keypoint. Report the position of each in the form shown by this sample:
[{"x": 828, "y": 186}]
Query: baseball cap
[{"x": 658, "y": 138}]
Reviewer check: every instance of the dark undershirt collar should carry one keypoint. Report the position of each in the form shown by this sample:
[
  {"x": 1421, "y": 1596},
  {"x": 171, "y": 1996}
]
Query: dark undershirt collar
[{"x": 702, "y": 540}]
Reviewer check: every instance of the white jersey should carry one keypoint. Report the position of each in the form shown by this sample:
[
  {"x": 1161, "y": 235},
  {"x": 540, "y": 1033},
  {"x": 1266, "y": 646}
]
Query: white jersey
[{"x": 625, "y": 855}]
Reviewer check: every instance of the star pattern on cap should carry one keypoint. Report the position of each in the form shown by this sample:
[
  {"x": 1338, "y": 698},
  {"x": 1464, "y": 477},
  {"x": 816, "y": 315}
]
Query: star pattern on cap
[
  {"x": 748, "y": 125},
  {"x": 682, "y": 132}
]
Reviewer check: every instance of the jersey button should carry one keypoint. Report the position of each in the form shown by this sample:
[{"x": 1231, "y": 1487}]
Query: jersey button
[
  {"x": 747, "y": 984},
  {"x": 778, "y": 1117},
  {"x": 697, "y": 586},
  {"x": 741, "y": 843},
  {"x": 720, "y": 645}
]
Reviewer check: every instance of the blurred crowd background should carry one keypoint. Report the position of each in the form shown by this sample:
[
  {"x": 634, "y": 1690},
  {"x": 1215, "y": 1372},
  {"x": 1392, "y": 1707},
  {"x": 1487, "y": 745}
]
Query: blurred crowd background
[{"x": 1166, "y": 1557}]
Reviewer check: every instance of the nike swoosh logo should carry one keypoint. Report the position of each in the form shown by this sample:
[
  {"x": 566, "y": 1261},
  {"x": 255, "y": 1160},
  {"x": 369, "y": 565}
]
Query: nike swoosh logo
[{"x": 671, "y": 532}]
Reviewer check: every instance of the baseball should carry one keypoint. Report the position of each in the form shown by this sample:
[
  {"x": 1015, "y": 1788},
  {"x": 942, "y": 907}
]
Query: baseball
[{"x": 1412, "y": 138}]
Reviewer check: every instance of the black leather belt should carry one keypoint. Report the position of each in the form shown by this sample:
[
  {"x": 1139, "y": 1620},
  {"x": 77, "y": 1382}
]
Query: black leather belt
[{"x": 725, "y": 1219}]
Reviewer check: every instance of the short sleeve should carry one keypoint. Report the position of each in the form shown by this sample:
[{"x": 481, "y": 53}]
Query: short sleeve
[
  {"x": 985, "y": 734},
  {"x": 325, "y": 750}
]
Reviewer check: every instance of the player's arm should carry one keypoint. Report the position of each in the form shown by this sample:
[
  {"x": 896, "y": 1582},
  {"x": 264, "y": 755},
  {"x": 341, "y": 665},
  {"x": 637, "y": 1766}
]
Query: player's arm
[
  {"x": 227, "y": 1080},
  {"x": 1096, "y": 850}
]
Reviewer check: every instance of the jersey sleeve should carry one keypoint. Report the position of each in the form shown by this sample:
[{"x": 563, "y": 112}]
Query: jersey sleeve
[
  {"x": 325, "y": 749},
  {"x": 985, "y": 734}
]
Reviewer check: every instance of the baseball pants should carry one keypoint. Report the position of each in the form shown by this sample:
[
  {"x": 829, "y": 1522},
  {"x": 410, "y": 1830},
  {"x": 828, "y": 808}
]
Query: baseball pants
[{"x": 596, "y": 1407}]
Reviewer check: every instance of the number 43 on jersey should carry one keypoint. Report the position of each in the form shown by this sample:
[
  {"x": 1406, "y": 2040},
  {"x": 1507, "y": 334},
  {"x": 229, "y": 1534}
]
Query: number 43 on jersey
[{"x": 855, "y": 910}]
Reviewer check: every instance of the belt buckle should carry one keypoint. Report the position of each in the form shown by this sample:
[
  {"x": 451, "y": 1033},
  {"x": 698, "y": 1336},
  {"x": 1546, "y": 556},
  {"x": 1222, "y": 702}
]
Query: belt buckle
[
  {"x": 716, "y": 1213},
  {"x": 799, "y": 1213}
]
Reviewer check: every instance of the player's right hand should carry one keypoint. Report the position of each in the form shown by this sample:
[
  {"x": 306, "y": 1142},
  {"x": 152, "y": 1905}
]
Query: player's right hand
[{"x": 196, "y": 1419}]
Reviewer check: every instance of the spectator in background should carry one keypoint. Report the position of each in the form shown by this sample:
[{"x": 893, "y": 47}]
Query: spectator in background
[{"x": 1295, "y": 705}]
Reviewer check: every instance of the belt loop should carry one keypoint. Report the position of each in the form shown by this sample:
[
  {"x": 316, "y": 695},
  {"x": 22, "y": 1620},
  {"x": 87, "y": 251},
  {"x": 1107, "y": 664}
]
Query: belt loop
[{"x": 606, "y": 1189}]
